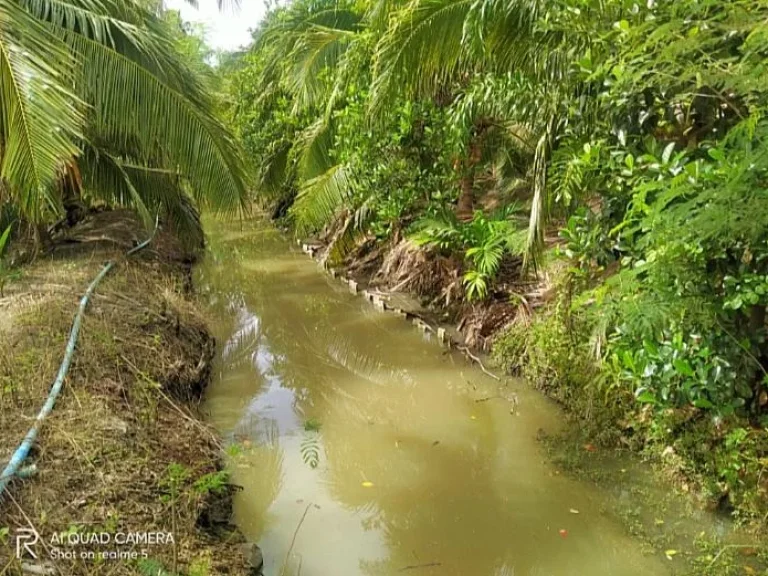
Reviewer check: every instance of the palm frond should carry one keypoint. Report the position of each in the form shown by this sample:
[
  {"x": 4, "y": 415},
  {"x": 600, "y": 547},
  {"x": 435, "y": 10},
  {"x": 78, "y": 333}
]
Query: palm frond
[
  {"x": 40, "y": 118},
  {"x": 314, "y": 145},
  {"x": 505, "y": 31},
  {"x": 346, "y": 238},
  {"x": 279, "y": 37},
  {"x": 421, "y": 51},
  {"x": 320, "y": 198},
  {"x": 274, "y": 171},
  {"x": 380, "y": 11},
  {"x": 102, "y": 20},
  {"x": 104, "y": 178},
  {"x": 130, "y": 28},
  {"x": 148, "y": 190},
  {"x": 539, "y": 202},
  {"x": 441, "y": 230},
  {"x": 310, "y": 449},
  {"x": 318, "y": 48},
  {"x": 124, "y": 95}
]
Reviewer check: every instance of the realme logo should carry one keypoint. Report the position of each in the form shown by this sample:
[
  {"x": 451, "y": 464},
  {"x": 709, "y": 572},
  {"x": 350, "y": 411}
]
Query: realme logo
[{"x": 26, "y": 538}]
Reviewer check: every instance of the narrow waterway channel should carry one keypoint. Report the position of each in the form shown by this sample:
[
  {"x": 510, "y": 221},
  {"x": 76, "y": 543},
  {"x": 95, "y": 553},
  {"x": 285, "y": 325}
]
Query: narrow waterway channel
[{"x": 401, "y": 458}]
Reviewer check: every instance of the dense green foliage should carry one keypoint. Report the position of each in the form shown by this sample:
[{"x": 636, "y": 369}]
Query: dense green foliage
[
  {"x": 632, "y": 134},
  {"x": 107, "y": 102}
]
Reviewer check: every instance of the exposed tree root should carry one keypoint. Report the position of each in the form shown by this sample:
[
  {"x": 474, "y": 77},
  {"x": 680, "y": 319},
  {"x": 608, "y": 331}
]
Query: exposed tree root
[{"x": 478, "y": 361}]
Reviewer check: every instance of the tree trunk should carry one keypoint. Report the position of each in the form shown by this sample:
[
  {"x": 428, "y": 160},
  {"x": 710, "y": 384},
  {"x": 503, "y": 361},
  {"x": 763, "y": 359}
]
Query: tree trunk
[
  {"x": 71, "y": 200},
  {"x": 42, "y": 238},
  {"x": 465, "y": 207}
]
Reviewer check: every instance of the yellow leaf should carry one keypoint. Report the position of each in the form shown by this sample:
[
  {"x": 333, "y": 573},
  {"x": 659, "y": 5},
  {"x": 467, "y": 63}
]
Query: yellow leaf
[
  {"x": 670, "y": 553},
  {"x": 749, "y": 571},
  {"x": 573, "y": 511},
  {"x": 367, "y": 484}
]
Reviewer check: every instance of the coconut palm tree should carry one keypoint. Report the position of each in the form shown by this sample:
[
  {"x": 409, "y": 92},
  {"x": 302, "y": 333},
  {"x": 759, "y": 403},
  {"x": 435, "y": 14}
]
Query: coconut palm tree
[
  {"x": 440, "y": 47},
  {"x": 417, "y": 49},
  {"x": 308, "y": 54},
  {"x": 502, "y": 66},
  {"x": 96, "y": 101}
]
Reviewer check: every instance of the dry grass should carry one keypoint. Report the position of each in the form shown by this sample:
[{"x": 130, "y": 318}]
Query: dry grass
[
  {"x": 410, "y": 268},
  {"x": 125, "y": 420}
]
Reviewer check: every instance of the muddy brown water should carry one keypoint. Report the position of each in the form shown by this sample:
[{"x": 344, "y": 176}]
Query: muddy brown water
[{"x": 401, "y": 458}]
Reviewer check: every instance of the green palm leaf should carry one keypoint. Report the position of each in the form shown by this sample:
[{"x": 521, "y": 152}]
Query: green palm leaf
[
  {"x": 317, "y": 48},
  {"x": 292, "y": 36},
  {"x": 132, "y": 106},
  {"x": 314, "y": 145},
  {"x": 421, "y": 51},
  {"x": 275, "y": 171},
  {"x": 39, "y": 116},
  {"x": 148, "y": 190},
  {"x": 320, "y": 198}
]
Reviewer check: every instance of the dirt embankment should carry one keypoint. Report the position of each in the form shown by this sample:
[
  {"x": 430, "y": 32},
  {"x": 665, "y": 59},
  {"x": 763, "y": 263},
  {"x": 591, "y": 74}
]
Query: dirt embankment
[
  {"x": 123, "y": 454},
  {"x": 429, "y": 284}
]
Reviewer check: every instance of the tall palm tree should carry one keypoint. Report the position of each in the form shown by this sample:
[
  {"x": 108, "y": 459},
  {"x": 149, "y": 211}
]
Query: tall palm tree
[
  {"x": 298, "y": 47},
  {"x": 433, "y": 49},
  {"x": 437, "y": 46},
  {"x": 503, "y": 67},
  {"x": 96, "y": 100}
]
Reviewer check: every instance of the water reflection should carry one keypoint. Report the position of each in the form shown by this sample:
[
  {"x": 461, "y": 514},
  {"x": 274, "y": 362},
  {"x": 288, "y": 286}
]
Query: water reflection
[
  {"x": 417, "y": 472},
  {"x": 244, "y": 338}
]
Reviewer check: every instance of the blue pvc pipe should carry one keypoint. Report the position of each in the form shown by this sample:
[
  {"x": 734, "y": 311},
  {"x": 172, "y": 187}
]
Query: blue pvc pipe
[{"x": 21, "y": 453}]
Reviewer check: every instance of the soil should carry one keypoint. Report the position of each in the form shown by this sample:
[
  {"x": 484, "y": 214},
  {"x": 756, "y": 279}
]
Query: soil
[
  {"x": 123, "y": 450},
  {"x": 400, "y": 268}
]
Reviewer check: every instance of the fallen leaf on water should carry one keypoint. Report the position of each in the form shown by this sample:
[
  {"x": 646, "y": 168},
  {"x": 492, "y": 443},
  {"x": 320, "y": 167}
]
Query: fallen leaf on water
[
  {"x": 564, "y": 533},
  {"x": 573, "y": 511},
  {"x": 670, "y": 554},
  {"x": 658, "y": 522},
  {"x": 473, "y": 417},
  {"x": 367, "y": 484}
]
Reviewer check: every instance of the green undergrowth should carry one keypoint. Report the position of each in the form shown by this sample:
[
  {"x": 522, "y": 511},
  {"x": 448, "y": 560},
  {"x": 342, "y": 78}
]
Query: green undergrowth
[
  {"x": 721, "y": 460},
  {"x": 664, "y": 521},
  {"x": 550, "y": 351}
]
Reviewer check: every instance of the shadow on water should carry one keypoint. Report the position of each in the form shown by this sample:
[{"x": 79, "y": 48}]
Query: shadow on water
[{"x": 404, "y": 459}]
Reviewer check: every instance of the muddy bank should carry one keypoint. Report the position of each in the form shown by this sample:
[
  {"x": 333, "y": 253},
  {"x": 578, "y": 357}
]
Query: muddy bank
[
  {"x": 123, "y": 454},
  {"x": 425, "y": 286}
]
